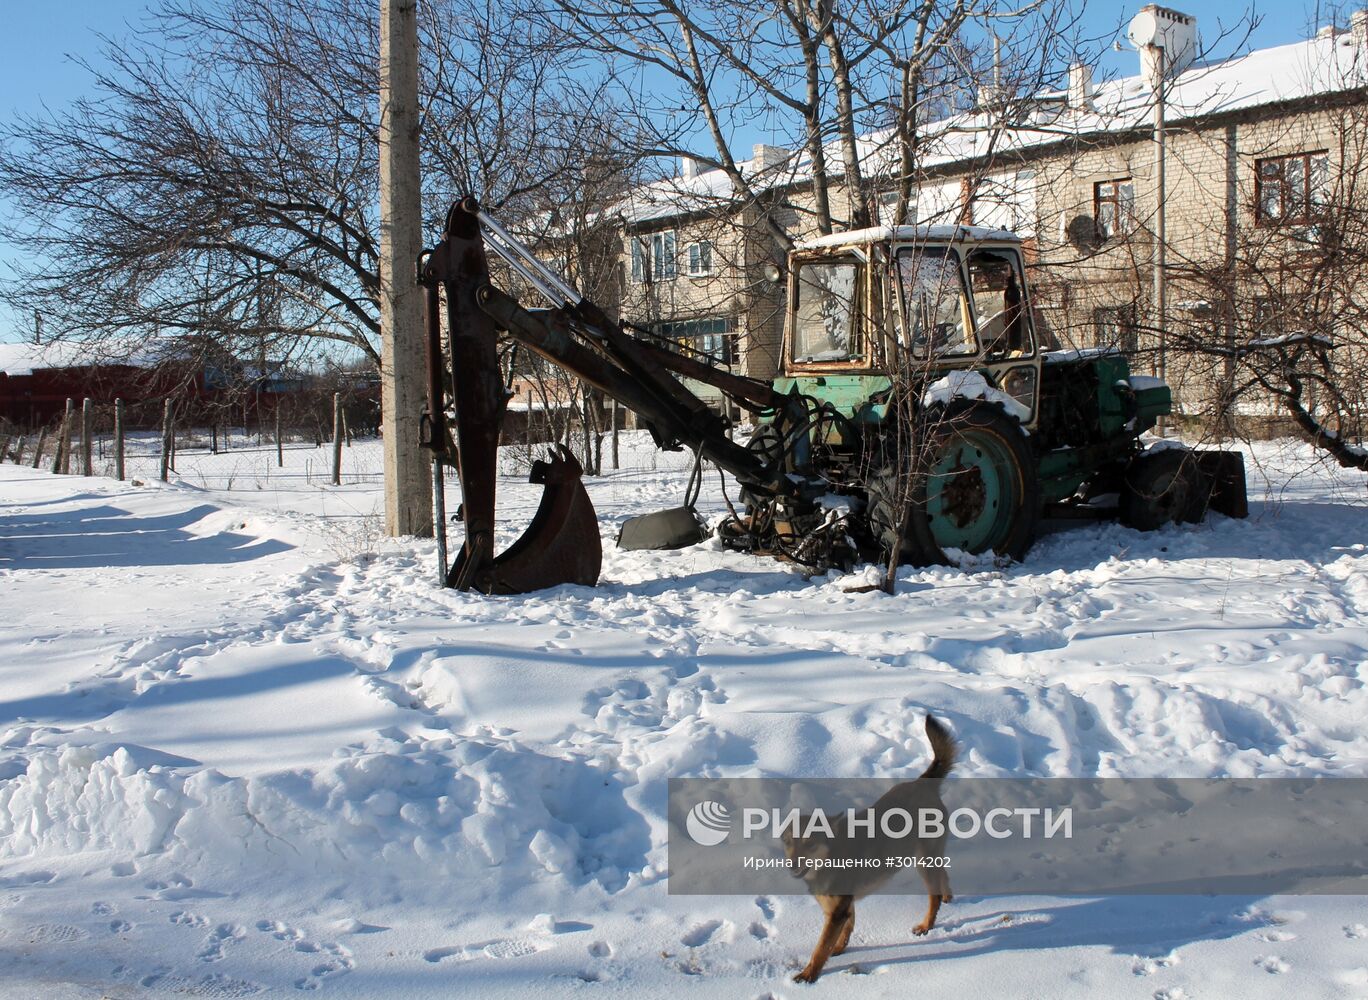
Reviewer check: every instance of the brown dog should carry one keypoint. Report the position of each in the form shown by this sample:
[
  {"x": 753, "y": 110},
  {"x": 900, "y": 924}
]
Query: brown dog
[{"x": 913, "y": 796}]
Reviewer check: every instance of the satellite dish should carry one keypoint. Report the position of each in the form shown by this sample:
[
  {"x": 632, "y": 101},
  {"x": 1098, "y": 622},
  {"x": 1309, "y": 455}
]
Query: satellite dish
[
  {"x": 1082, "y": 233},
  {"x": 1143, "y": 29}
]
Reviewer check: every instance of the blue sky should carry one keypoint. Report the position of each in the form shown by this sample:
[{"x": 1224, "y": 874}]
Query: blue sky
[{"x": 39, "y": 43}]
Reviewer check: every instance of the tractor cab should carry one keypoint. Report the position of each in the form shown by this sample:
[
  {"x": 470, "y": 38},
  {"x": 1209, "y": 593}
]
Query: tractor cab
[{"x": 918, "y": 299}]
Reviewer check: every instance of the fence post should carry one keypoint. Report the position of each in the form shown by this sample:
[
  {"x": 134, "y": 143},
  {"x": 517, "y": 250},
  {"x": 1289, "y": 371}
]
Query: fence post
[
  {"x": 617, "y": 419},
  {"x": 213, "y": 437},
  {"x": 337, "y": 439},
  {"x": 280, "y": 450},
  {"x": 61, "y": 460},
  {"x": 87, "y": 432},
  {"x": 42, "y": 440},
  {"x": 166, "y": 440},
  {"x": 118, "y": 440},
  {"x": 19, "y": 451},
  {"x": 4, "y": 447}
]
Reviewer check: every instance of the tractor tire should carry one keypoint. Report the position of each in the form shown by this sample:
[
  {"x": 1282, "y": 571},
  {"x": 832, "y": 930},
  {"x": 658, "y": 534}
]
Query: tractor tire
[
  {"x": 974, "y": 489},
  {"x": 1163, "y": 487}
]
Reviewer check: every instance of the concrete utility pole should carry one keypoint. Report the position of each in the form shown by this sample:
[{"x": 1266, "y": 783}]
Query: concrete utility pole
[
  {"x": 408, "y": 479},
  {"x": 1160, "y": 226}
]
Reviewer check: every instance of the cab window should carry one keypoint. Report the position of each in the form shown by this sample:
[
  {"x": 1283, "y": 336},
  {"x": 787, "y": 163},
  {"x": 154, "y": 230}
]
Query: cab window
[
  {"x": 935, "y": 311},
  {"x": 995, "y": 285},
  {"x": 826, "y": 312}
]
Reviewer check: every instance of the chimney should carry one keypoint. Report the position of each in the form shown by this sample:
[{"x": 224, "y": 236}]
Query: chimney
[
  {"x": 763, "y": 156},
  {"x": 688, "y": 167},
  {"x": 1358, "y": 26},
  {"x": 1164, "y": 37},
  {"x": 1080, "y": 87},
  {"x": 992, "y": 93}
]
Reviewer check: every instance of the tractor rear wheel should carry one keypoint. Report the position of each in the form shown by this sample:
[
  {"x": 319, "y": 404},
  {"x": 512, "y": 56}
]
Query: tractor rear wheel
[
  {"x": 973, "y": 488},
  {"x": 1163, "y": 487}
]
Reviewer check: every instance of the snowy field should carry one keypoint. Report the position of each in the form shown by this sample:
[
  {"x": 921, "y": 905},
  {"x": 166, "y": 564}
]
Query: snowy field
[{"x": 247, "y": 748}]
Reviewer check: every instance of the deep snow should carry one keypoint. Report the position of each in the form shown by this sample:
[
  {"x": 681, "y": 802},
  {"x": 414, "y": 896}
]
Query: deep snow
[{"x": 247, "y": 748}]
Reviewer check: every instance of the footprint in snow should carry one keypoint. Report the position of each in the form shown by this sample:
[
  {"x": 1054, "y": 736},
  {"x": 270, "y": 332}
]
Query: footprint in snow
[
  {"x": 218, "y": 940},
  {"x": 1355, "y": 930},
  {"x": 278, "y": 930},
  {"x": 1272, "y": 964},
  {"x": 701, "y": 934},
  {"x": 53, "y": 934},
  {"x": 217, "y": 986},
  {"x": 1172, "y": 993},
  {"x": 1277, "y": 937},
  {"x": 1148, "y": 966},
  {"x": 499, "y": 949},
  {"x": 331, "y": 960},
  {"x": 510, "y": 949}
]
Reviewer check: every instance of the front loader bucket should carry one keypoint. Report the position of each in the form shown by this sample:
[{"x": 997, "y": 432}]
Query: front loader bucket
[{"x": 561, "y": 545}]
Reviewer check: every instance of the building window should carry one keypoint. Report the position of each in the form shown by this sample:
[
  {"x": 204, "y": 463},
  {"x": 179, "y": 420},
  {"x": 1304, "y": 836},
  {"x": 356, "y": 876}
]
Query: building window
[
  {"x": 712, "y": 336},
  {"x": 1114, "y": 326},
  {"x": 700, "y": 258},
  {"x": 888, "y": 209},
  {"x": 1291, "y": 190},
  {"x": 653, "y": 257},
  {"x": 1114, "y": 207}
]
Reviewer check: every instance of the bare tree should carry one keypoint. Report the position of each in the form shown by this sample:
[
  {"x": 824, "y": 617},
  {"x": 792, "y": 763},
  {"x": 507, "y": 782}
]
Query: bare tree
[
  {"x": 1280, "y": 327},
  {"x": 221, "y": 179}
]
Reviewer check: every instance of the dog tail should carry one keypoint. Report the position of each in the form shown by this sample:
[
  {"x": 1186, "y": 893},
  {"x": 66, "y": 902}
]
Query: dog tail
[{"x": 944, "y": 751}]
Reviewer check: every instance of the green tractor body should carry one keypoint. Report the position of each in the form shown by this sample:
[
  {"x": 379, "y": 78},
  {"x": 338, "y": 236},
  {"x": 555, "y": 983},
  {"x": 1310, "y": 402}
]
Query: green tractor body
[{"x": 922, "y": 406}]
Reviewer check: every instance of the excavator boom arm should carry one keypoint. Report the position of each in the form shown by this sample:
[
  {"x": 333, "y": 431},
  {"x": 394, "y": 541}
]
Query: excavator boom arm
[{"x": 562, "y": 545}]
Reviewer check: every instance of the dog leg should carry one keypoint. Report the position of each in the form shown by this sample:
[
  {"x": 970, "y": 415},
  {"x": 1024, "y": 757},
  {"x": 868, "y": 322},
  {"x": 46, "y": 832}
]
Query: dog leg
[
  {"x": 931, "y": 910},
  {"x": 846, "y": 931},
  {"x": 838, "y": 911},
  {"x": 941, "y": 886}
]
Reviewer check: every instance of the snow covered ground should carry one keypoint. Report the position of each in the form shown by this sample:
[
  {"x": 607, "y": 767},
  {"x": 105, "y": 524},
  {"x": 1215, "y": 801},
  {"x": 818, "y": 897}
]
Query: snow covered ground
[{"x": 247, "y": 748}]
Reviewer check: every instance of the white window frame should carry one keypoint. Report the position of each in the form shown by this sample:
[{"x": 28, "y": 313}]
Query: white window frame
[
  {"x": 654, "y": 256},
  {"x": 700, "y": 258}
]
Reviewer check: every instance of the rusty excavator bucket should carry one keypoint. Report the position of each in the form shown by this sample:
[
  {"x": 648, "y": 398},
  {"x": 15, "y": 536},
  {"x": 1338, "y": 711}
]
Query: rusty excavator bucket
[{"x": 562, "y": 543}]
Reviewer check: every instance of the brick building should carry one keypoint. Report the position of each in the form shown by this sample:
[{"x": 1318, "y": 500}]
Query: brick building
[{"x": 1258, "y": 150}]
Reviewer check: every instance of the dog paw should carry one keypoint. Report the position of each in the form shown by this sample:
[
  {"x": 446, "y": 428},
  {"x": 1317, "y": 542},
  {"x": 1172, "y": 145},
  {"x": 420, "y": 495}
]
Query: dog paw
[
  {"x": 921, "y": 930},
  {"x": 806, "y": 976}
]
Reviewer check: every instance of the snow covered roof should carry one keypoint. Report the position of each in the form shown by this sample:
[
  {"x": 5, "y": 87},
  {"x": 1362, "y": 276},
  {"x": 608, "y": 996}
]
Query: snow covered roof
[
  {"x": 25, "y": 358},
  {"x": 1326, "y": 64},
  {"x": 908, "y": 234}
]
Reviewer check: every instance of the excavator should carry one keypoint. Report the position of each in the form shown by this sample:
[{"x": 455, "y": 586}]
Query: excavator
[{"x": 915, "y": 417}]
